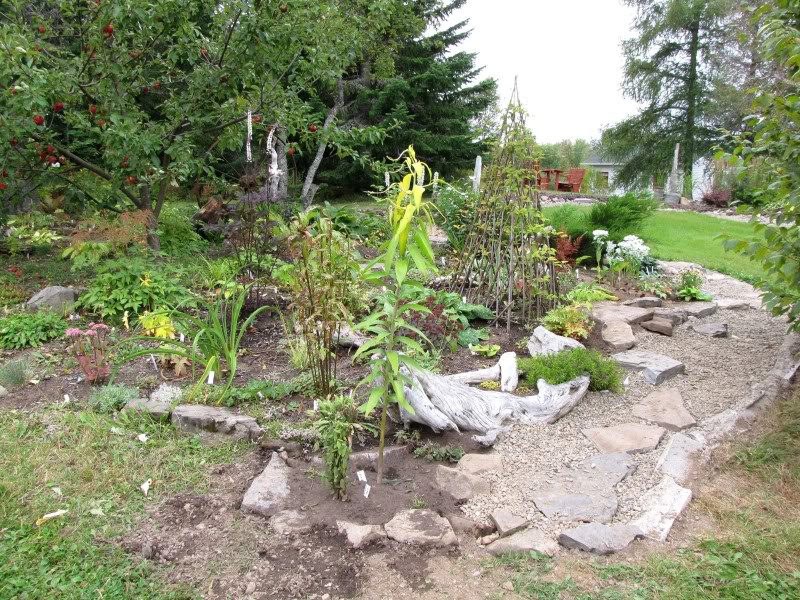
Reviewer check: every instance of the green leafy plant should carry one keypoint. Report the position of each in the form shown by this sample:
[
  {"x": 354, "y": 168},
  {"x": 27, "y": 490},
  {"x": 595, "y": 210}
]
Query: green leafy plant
[
  {"x": 176, "y": 231},
  {"x": 571, "y": 320},
  {"x": 133, "y": 286},
  {"x": 472, "y": 336},
  {"x": 27, "y": 234},
  {"x": 621, "y": 215},
  {"x": 110, "y": 398},
  {"x": 30, "y": 330},
  {"x": 689, "y": 288},
  {"x": 604, "y": 373},
  {"x": 390, "y": 345},
  {"x": 15, "y": 373},
  {"x": 487, "y": 350},
  {"x": 586, "y": 293},
  {"x": 338, "y": 421},
  {"x": 434, "y": 452},
  {"x": 91, "y": 351},
  {"x": 655, "y": 285},
  {"x": 456, "y": 210}
]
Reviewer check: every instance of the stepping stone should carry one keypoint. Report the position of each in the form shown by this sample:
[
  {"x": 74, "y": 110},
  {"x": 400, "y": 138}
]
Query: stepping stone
[
  {"x": 659, "y": 325},
  {"x": 607, "y": 311},
  {"x": 557, "y": 502},
  {"x": 199, "y": 418},
  {"x": 645, "y": 302},
  {"x": 657, "y": 367},
  {"x": 359, "y": 536},
  {"x": 269, "y": 491},
  {"x": 460, "y": 484},
  {"x": 675, "y": 315},
  {"x": 618, "y": 336},
  {"x": 665, "y": 407},
  {"x": 507, "y": 522},
  {"x": 733, "y": 304},
  {"x": 478, "y": 464},
  {"x": 603, "y": 469},
  {"x": 290, "y": 522},
  {"x": 677, "y": 458},
  {"x": 663, "y": 504},
  {"x": 544, "y": 342},
  {"x": 628, "y": 437},
  {"x": 600, "y": 539},
  {"x": 714, "y": 330},
  {"x": 155, "y": 409},
  {"x": 420, "y": 527},
  {"x": 699, "y": 309},
  {"x": 528, "y": 540}
]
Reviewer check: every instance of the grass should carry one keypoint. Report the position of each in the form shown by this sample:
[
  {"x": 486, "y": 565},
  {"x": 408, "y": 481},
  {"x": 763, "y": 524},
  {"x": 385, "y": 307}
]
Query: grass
[
  {"x": 751, "y": 551},
  {"x": 92, "y": 466},
  {"x": 14, "y": 373},
  {"x": 692, "y": 237}
]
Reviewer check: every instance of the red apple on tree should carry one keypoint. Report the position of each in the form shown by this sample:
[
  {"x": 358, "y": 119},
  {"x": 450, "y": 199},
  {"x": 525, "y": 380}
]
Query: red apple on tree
[
  {"x": 290, "y": 151},
  {"x": 312, "y": 128},
  {"x": 108, "y": 30},
  {"x": 13, "y": 142},
  {"x": 101, "y": 122},
  {"x": 58, "y": 107},
  {"x": 93, "y": 109},
  {"x": 284, "y": 8},
  {"x": 39, "y": 120},
  {"x": 132, "y": 179},
  {"x": 42, "y": 29},
  {"x": 2, "y": 185}
]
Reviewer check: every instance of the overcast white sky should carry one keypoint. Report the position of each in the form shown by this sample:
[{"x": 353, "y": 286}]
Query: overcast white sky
[{"x": 566, "y": 54}]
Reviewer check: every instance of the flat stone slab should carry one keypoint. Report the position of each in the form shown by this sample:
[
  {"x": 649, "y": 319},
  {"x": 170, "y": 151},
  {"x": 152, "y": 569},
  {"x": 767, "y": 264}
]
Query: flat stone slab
[
  {"x": 598, "y": 538},
  {"x": 479, "y": 464},
  {"x": 460, "y": 484},
  {"x": 659, "y": 325},
  {"x": 676, "y": 315},
  {"x": 665, "y": 407},
  {"x": 566, "y": 504},
  {"x": 526, "y": 540},
  {"x": 359, "y": 536},
  {"x": 420, "y": 527},
  {"x": 269, "y": 491},
  {"x": 507, "y": 522},
  {"x": 618, "y": 336},
  {"x": 663, "y": 504},
  {"x": 733, "y": 304},
  {"x": 199, "y": 418},
  {"x": 607, "y": 311},
  {"x": 603, "y": 469},
  {"x": 714, "y": 330},
  {"x": 678, "y": 456},
  {"x": 157, "y": 410},
  {"x": 628, "y": 437},
  {"x": 699, "y": 309},
  {"x": 290, "y": 522},
  {"x": 544, "y": 342},
  {"x": 645, "y": 302},
  {"x": 657, "y": 368}
]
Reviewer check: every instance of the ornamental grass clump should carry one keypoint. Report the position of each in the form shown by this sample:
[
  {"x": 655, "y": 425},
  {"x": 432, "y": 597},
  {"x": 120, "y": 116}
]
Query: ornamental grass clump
[{"x": 604, "y": 373}]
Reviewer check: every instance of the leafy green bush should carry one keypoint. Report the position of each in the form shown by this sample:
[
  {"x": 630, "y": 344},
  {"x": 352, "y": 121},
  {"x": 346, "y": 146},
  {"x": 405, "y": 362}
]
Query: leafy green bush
[
  {"x": 587, "y": 293},
  {"x": 14, "y": 373},
  {"x": 456, "y": 211},
  {"x": 621, "y": 215},
  {"x": 571, "y": 320},
  {"x": 569, "y": 219},
  {"x": 133, "y": 285},
  {"x": 110, "y": 398},
  {"x": 338, "y": 419},
  {"x": 558, "y": 368},
  {"x": 176, "y": 231},
  {"x": 690, "y": 284},
  {"x": 30, "y": 329}
]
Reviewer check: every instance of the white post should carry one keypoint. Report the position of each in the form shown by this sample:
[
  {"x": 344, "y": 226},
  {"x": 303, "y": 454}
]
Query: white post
[{"x": 476, "y": 179}]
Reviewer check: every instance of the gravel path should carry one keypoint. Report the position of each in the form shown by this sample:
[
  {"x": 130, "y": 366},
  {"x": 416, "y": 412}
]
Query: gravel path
[{"x": 719, "y": 375}]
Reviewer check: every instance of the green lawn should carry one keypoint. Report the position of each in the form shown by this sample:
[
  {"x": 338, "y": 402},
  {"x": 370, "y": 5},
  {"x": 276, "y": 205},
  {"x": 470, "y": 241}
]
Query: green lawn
[{"x": 692, "y": 237}]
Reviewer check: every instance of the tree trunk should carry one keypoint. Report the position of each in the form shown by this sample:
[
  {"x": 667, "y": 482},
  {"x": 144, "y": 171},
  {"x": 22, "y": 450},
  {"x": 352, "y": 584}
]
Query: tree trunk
[
  {"x": 691, "y": 108},
  {"x": 144, "y": 204},
  {"x": 307, "y": 195}
]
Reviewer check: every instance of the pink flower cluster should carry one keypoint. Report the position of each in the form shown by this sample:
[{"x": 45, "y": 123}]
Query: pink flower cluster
[
  {"x": 91, "y": 331},
  {"x": 90, "y": 350}
]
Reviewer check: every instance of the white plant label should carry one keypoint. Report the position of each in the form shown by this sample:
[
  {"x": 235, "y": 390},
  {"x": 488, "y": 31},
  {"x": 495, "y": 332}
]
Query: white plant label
[
  {"x": 260, "y": 396},
  {"x": 211, "y": 378},
  {"x": 366, "y": 491},
  {"x": 362, "y": 476},
  {"x": 316, "y": 406},
  {"x": 145, "y": 487},
  {"x": 182, "y": 338},
  {"x": 153, "y": 358},
  {"x": 66, "y": 398}
]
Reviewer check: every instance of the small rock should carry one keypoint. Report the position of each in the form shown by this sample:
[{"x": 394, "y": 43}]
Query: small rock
[
  {"x": 665, "y": 407},
  {"x": 507, "y": 522},
  {"x": 157, "y": 410},
  {"x": 251, "y": 587},
  {"x": 488, "y": 539},
  {"x": 290, "y": 522},
  {"x": 479, "y": 464},
  {"x": 270, "y": 490},
  {"x": 733, "y": 304},
  {"x": 645, "y": 302},
  {"x": 571, "y": 503},
  {"x": 714, "y": 330},
  {"x": 3, "y": 391},
  {"x": 462, "y": 524},
  {"x": 618, "y": 335},
  {"x": 199, "y": 418},
  {"x": 55, "y": 297},
  {"x": 675, "y": 315},
  {"x": 460, "y": 484},
  {"x": 420, "y": 527},
  {"x": 359, "y": 536},
  {"x": 600, "y": 539},
  {"x": 508, "y": 586},
  {"x": 659, "y": 325},
  {"x": 699, "y": 309},
  {"x": 544, "y": 342},
  {"x": 524, "y": 541},
  {"x": 147, "y": 550},
  {"x": 628, "y": 437},
  {"x": 657, "y": 367}
]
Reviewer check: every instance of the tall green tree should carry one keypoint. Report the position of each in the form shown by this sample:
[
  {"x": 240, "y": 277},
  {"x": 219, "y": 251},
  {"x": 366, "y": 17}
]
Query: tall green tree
[{"x": 668, "y": 68}]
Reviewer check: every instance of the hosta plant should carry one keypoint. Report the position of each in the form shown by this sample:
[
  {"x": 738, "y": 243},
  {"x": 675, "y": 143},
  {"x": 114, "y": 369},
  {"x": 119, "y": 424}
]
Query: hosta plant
[
  {"x": 26, "y": 330},
  {"x": 571, "y": 320}
]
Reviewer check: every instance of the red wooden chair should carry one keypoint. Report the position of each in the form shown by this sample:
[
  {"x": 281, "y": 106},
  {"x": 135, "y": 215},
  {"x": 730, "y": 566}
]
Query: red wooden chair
[
  {"x": 544, "y": 180},
  {"x": 573, "y": 182}
]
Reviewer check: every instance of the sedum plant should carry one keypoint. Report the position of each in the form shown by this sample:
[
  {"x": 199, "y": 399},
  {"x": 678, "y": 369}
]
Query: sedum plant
[{"x": 389, "y": 348}]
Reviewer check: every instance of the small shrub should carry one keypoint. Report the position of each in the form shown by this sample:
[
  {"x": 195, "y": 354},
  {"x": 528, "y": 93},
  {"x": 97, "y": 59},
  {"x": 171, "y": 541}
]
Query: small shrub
[
  {"x": 605, "y": 374},
  {"x": 336, "y": 424},
  {"x": 691, "y": 282},
  {"x": 110, "y": 398},
  {"x": 456, "y": 211},
  {"x": 14, "y": 373},
  {"x": 585, "y": 293},
  {"x": 656, "y": 285},
  {"x": 434, "y": 452},
  {"x": 176, "y": 231},
  {"x": 571, "y": 320},
  {"x": 30, "y": 330},
  {"x": 567, "y": 248},
  {"x": 621, "y": 215},
  {"x": 569, "y": 219},
  {"x": 720, "y": 198}
]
